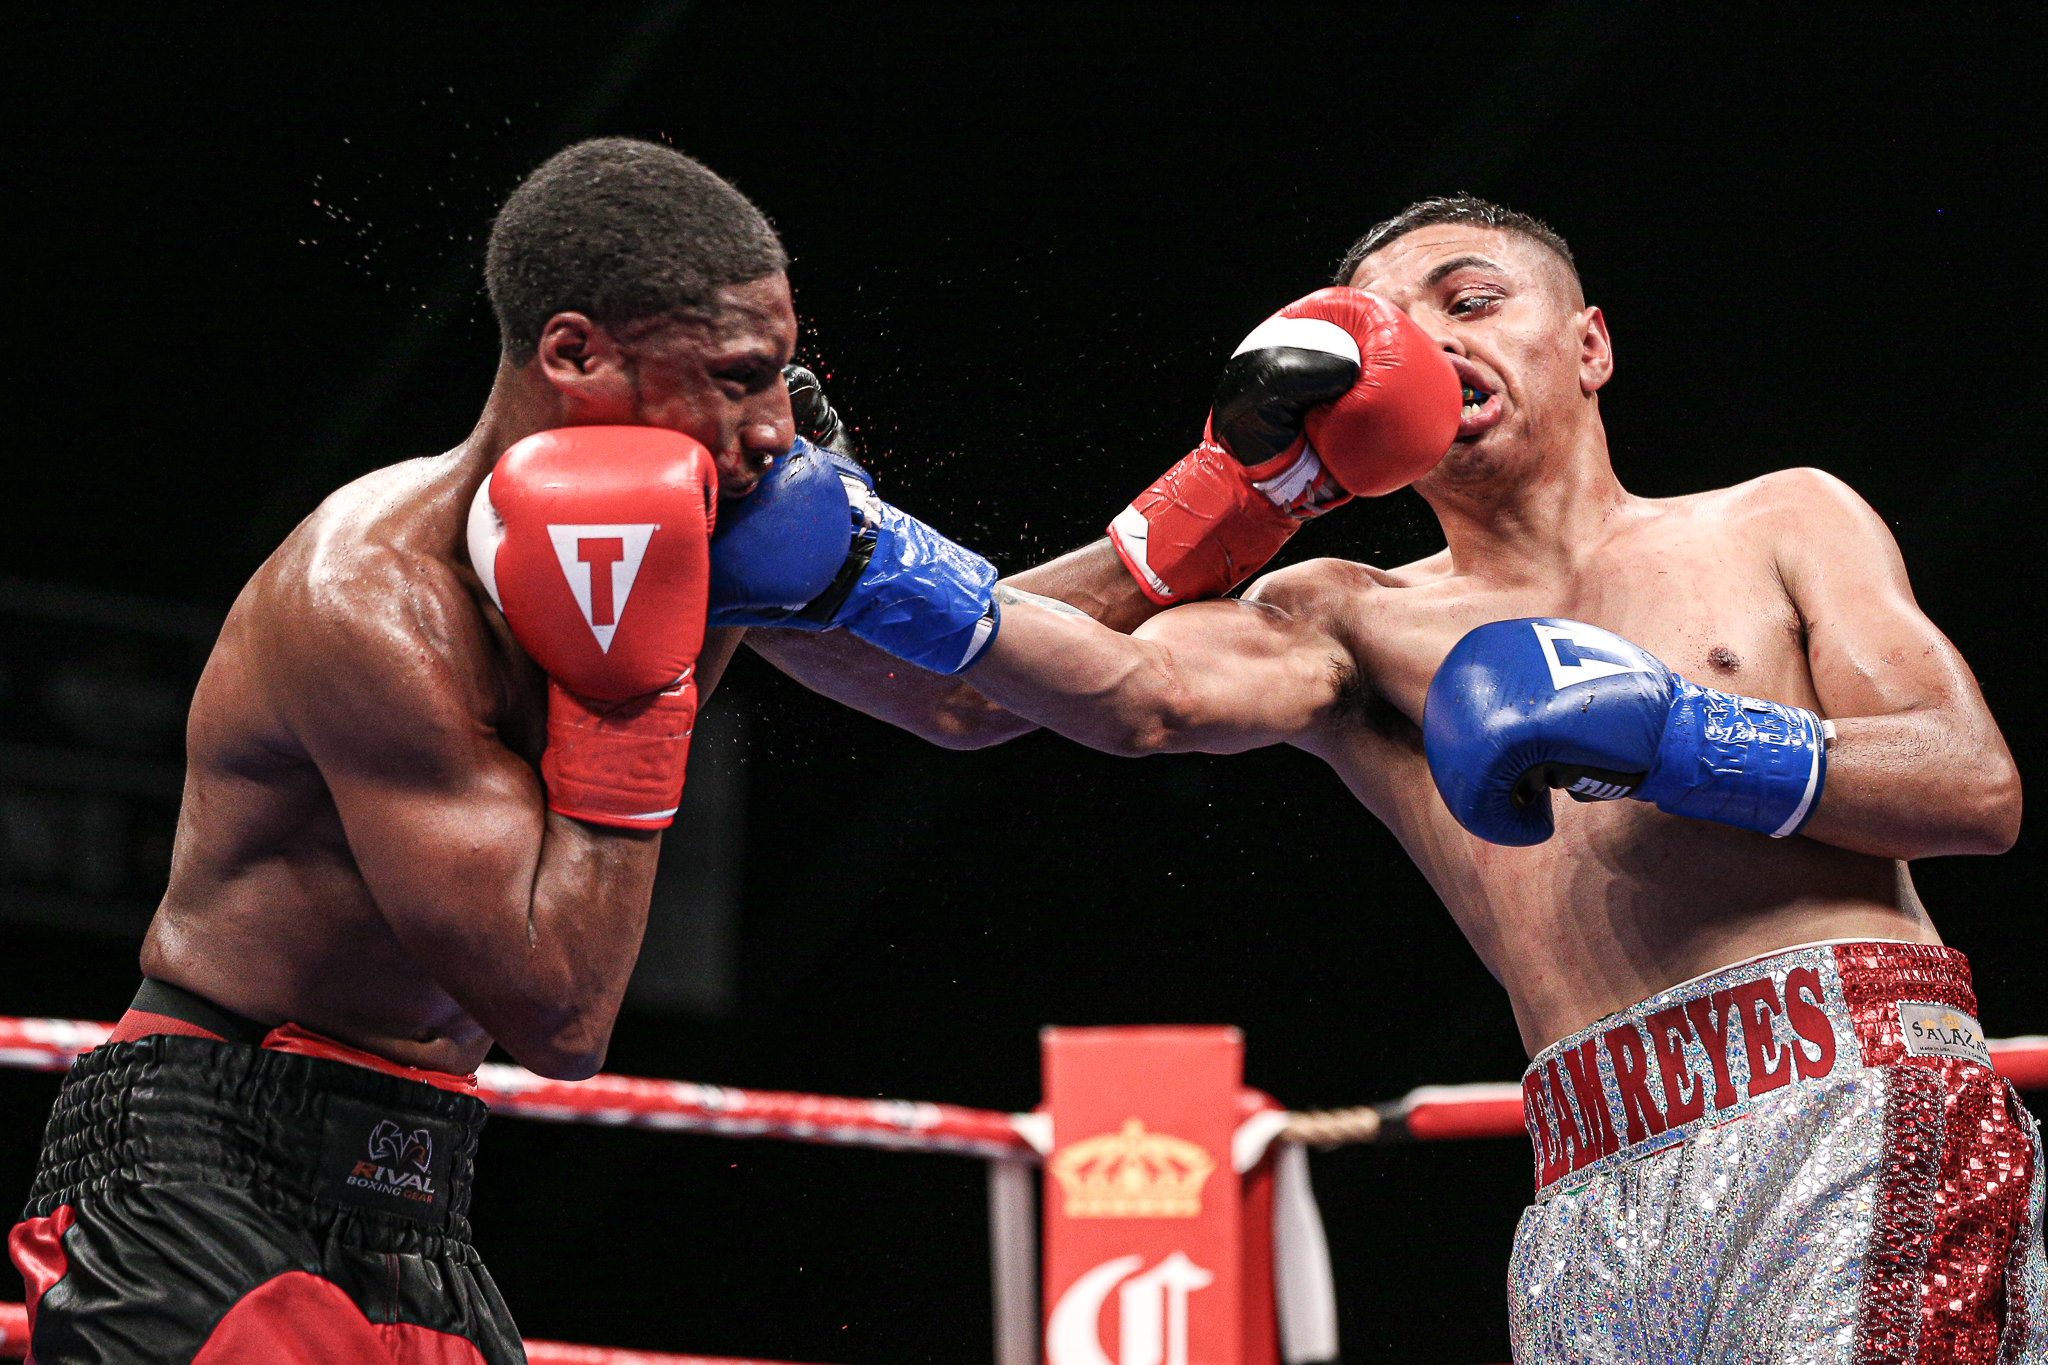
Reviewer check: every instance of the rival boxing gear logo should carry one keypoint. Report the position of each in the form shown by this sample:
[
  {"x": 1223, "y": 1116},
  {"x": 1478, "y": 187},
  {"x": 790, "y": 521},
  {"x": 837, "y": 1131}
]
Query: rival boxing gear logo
[
  {"x": 374, "y": 1161},
  {"x": 600, "y": 562},
  {"x": 389, "y": 1142}
]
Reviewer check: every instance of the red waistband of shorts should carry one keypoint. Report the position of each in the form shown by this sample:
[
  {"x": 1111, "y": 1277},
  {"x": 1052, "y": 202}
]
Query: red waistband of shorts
[
  {"x": 306, "y": 1043},
  {"x": 1703, "y": 1052},
  {"x": 293, "y": 1039}
]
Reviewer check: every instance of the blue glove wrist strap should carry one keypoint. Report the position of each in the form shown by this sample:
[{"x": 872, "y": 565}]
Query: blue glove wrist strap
[
  {"x": 922, "y": 597},
  {"x": 1741, "y": 761}
]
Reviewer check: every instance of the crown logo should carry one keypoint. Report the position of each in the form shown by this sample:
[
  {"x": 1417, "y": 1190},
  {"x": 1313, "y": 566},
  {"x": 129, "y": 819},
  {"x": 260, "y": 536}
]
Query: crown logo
[{"x": 1132, "y": 1174}]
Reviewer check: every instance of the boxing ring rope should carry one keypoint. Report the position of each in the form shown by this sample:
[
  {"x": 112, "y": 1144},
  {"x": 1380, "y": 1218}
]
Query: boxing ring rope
[{"x": 1010, "y": 1143}]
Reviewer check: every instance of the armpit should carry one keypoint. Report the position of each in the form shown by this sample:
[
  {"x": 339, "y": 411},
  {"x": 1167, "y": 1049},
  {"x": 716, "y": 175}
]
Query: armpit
[{"x": 1358, "y": 703}]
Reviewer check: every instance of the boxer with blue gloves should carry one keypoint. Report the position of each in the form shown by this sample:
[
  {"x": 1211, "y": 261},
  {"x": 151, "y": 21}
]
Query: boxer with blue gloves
[
  {"x": 1521, "y": 708},
  {"x": 1755, "y": 1071}
]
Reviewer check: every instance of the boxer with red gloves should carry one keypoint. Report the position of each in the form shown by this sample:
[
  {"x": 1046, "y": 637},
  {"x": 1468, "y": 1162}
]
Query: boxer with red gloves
[
  {"x": 430, "y": 760},
  {"x": 429, "y": 764}
]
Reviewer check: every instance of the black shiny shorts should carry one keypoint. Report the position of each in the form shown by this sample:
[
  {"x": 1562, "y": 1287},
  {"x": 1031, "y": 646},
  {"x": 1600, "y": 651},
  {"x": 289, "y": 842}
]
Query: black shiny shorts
[{"x": 216, "y": 1200}]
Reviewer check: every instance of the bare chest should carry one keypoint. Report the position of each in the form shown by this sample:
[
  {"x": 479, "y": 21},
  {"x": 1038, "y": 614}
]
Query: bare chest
[{"x": 1714, "y": 613}]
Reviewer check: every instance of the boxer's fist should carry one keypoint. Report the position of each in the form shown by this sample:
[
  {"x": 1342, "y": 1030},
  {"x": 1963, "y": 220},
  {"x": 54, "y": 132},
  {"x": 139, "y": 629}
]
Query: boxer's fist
[
  {"x": 817, "y": 421},
  {"x": 812, "y": 548},
  {"x": 1399, "y": 415},
  {"x": 1519, "y": 708},
  {"x": 595, "y": 543},
  {"x": 780, "y": 547},
  {"x": 1339, "y": 393}
]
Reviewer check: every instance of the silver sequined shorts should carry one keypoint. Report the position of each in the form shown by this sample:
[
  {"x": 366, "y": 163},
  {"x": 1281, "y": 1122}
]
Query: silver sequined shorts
[{"x": 1801, "y": 1158}]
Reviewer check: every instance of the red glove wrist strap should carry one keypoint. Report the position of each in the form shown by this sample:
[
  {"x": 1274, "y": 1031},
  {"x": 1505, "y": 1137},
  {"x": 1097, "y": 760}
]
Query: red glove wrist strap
[
  {"x": 1200, "y": 530},
  {"x": 618, "y": 763}
]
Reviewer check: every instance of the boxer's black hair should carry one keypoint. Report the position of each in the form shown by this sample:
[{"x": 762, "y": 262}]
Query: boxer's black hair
[
  {"x": 1454, "y": 208},
  {"x": 620, "y": 230}
]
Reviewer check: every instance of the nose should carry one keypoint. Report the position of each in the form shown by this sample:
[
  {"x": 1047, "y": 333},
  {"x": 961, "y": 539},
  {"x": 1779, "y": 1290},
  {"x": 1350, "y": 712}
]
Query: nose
[
  {"x": 1446, "y": 339},
  {"x": 767, "y": 436},
  {"x": 1432, "y": 324}
]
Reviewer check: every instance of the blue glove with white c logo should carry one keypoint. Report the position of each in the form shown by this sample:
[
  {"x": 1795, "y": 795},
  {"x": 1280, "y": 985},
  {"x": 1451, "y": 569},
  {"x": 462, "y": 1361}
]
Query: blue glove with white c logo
[{"x": 1519, "y": 708}]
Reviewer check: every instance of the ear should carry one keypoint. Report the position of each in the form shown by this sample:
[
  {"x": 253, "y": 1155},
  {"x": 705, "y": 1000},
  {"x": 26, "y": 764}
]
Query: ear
[
  {"x": 588, "y": 370},
  {"x": 1596, "y": 351}
]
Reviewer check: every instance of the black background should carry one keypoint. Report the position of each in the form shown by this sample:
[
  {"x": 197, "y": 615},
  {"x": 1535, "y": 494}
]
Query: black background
[{"x": 242, "y": 269}]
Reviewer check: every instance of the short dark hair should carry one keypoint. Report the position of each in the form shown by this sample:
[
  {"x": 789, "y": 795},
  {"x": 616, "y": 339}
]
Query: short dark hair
[
  {"x": 1454, "y": 208},
  {"x": 620, "y": 230}
]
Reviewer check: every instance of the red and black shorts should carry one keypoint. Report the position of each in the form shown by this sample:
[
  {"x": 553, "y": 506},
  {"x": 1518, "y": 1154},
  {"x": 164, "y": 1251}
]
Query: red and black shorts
[{"x": 218, "y": 1201}]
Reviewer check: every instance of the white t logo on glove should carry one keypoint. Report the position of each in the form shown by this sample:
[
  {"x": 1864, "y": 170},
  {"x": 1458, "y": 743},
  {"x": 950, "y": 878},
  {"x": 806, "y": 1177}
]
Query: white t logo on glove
[{"x": 1584, "y": 654}]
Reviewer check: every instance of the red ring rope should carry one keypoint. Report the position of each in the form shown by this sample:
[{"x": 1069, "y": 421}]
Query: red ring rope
[{"x": 1431, "y": 1112}]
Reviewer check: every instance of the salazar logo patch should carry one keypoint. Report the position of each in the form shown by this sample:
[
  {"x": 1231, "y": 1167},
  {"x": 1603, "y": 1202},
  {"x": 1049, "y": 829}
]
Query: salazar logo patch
[{"x": 1942, "y": 1031}]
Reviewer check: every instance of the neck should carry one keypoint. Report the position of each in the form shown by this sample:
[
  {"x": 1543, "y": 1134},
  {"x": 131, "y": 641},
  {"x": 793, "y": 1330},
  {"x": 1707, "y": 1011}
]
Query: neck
[
  {"x": 1528, "y": 515},
  {"x": 517, "y": 408}
]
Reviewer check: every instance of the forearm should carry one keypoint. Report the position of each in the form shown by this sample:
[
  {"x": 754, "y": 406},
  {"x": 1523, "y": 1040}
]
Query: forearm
[
  {"x": 1917, "y": 784},
  {"x": 1095, "y": 581},
  {"x": 949, "y": 711},
  {"x": 545, "y": 968},
  {"x": 1055, "y": 667}
]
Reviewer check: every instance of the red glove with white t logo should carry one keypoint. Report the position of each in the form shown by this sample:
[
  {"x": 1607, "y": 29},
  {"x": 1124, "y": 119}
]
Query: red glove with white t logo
[
  {"x": 595, "y": 543},
  {"x": 1339, "y": 393}
]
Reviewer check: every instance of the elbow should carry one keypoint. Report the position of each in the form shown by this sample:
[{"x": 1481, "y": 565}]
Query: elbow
[
  {"x": 1994, "y": 826},
  {"x": 558, "y": 1063},
  {"x": 977, "y": 729},
  {"x": 1139, "y": 732},
  {"x": 967, "y": 720},
  {"x": 1983, "y": 819},
  {"x": 569, "y": 1047},
  {"x": 1139, "y": 743}
]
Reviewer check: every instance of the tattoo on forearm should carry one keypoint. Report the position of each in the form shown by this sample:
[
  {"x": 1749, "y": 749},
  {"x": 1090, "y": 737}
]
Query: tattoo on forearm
[{"x": 1016, "y": 597}]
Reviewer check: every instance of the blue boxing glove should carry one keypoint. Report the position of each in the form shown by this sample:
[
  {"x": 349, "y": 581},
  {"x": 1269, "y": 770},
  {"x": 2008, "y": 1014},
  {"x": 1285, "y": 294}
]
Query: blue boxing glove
[
  {"x": 812, "y": 548},
  {"x": 1521, "y": 707}
]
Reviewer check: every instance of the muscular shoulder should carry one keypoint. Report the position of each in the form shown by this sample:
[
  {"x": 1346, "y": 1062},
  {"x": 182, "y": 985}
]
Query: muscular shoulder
[
  {"x": 1805, "y": 500},
  {"x": 365, "y": 629},
  {"x": 1335, "y": 599},
  {"x": 1318, "y": 590},
  {"x": 1798, "y": 520}
]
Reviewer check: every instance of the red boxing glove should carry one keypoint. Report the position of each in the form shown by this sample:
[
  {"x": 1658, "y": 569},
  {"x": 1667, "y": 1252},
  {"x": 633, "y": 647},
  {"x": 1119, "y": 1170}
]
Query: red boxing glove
[
  {"x": 1339, "y": 393},
  {"x": 595, "y": 543}
]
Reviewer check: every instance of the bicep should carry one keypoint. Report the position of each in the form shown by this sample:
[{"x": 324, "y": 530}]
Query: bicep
[
  {"x": 1870, "y": 648},
  {"x": 443, "y": 821},
  {"x": 439, "y": 853}
]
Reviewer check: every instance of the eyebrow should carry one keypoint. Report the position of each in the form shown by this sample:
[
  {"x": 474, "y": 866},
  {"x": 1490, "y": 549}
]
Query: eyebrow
[{"x": 1460, "y": 263}]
